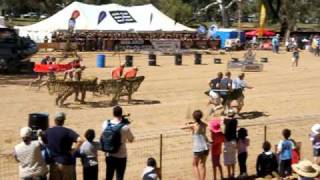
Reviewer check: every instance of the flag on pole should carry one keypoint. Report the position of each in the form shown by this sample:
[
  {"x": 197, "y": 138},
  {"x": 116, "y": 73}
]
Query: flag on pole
[
  {"x": 262, "y": 19},
  {"x": 151, "y": 17}
]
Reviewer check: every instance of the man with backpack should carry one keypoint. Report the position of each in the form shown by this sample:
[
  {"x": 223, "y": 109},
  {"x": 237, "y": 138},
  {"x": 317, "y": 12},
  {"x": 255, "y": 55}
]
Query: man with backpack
[{"x": 116, "y": 133}]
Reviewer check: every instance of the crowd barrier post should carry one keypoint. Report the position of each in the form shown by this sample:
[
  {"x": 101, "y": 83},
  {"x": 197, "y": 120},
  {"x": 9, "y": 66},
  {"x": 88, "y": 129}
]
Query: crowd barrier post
[
  {"x": 160, "y": 158},
  {"x": 265, "y": 133}
]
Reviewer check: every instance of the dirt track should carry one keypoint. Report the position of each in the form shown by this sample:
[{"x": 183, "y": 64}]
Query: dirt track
[{"x": 168, "y": 94}]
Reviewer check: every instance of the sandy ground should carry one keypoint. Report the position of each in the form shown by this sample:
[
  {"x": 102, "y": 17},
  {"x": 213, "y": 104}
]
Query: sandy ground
[{"x": 169, "y": 94}]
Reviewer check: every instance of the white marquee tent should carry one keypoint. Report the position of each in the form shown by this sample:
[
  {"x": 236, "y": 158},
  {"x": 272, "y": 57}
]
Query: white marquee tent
[{"x": 145, "y": 18}]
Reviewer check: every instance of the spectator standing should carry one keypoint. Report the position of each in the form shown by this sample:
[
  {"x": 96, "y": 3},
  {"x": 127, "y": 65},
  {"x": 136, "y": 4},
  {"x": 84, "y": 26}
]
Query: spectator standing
[
  {"x": 284, "y": 148},
  {"x": 28, "y": 154},
  {"x": 267, "y": 163},
  {"x": 151, "y": 172},
  {"x": 200, "y": 147},
  {"x": 89, "y": 156},
  {"x": 275, "y": 44},
  {"x": 59, "y": 141},
  {"x": 315, "y": 139},
  {"x": 230, "y": 144},
  {"x": 243, "y": 142},
  {"x": 217, "y": 138},
  {"x": 295, "y": 57},
  {"x": 117, "y": 161}
]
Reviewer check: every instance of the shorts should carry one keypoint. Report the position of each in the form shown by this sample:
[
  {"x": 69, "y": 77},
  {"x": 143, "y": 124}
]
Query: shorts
[
  {"x": 215, "y": 160},
  {"x": 229, "y": 153},
  {"x": 316, "y": 152},
  {"x": 201, "y": 153}
]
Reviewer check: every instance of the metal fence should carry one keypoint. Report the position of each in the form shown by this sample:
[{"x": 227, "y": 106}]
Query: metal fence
[{"x": 172, "y": 149}]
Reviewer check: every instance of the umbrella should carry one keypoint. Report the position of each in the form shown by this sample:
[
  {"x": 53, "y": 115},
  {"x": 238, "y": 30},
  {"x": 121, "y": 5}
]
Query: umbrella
[{"x": 256, "y": 33}]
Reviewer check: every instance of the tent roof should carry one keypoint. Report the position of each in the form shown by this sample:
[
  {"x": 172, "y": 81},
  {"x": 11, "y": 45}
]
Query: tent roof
[{"x": 147, "y": 17}]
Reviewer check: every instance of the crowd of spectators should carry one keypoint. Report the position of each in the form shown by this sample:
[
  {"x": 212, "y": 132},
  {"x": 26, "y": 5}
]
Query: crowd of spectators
[{"x": 53, "y": 152}]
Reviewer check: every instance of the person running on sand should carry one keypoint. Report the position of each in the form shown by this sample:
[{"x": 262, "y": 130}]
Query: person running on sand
[
  {"x": 200, "y": 147},
  {"x": 238, "y": 86}
]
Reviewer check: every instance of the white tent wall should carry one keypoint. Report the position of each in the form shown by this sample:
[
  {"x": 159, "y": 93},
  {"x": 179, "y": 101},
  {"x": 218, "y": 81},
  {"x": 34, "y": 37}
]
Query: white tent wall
[{"x": 88, "y": 20}]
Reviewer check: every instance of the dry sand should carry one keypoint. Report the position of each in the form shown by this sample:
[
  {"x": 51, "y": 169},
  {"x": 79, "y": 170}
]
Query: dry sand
[{"x": 170, "y": 93}]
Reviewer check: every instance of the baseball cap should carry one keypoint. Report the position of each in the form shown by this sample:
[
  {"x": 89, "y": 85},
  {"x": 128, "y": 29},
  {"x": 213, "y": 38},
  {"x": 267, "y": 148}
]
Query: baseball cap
[{"x": 25, "y": 132}]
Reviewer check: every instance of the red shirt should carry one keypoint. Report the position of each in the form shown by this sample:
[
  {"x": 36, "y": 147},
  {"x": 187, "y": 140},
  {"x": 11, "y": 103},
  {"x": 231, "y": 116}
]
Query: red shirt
[
  {"x": 117, "y": 72},
  {"x": 132, "y": 73},
  {"x": 217, "y": 140}
]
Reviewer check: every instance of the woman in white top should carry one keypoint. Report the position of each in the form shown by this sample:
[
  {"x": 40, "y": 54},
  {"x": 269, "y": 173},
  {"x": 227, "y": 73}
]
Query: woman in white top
[{"x": 200, "y": 147}]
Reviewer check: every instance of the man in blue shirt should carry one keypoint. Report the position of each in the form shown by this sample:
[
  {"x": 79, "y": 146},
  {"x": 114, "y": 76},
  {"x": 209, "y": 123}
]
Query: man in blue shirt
[
  {"x": 275, "y": 44},
  {"x": 59, "y": 141}
]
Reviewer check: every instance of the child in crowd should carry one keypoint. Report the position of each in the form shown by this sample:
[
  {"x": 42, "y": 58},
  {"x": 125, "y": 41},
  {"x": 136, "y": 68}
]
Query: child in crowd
[
  {"x": 230, "y": 143},
  {"x": 267, "y": 164},
  {"x": 315, "y": 139},
  {"x": 151, "y": 172},
  {"x": 242, "y": 144},
  {"x": 217, "y": 139},
  {"x": 285, "y": 147},
  {"x": 89, "y": 156}
]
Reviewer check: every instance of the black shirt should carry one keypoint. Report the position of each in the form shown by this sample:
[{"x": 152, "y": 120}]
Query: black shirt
[
  {"x": 266, "y": 164},
  {"x": 59, "y": 141},
  {"x": 230, "y": 131}
]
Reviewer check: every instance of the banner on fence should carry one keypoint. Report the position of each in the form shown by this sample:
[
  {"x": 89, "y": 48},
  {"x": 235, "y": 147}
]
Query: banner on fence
[{"x": 166, "y": 45}]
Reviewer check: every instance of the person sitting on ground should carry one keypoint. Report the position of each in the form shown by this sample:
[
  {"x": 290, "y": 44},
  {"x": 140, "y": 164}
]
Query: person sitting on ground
[
  {"x": 151, "y": 172},
  {"x": 249, "y": 56},
  {"x": 217, "y": 138},
  {"x": 117, "y": 72},
  {"x": 131, "y": 73},
  {"x": 89, "y": 156},
  {"x": 200, "y": 148},
  {"x": 267, "y": 163},
  {"x": 284, "y": 149},
  {"x": 28, "y": 154}
]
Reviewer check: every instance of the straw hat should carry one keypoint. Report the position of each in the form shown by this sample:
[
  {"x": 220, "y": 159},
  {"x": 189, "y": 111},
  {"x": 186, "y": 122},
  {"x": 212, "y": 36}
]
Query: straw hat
[{"x": 306, "y": 168}]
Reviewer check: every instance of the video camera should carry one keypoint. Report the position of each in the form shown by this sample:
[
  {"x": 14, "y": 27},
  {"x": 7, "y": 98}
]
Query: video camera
[{"x": 125, "y": 118}]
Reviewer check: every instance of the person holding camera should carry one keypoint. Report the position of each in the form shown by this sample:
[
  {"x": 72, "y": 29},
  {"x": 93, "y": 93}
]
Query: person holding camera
[
  {"x": 28, "y": 154},
  {"x": 116, "y": 132}
]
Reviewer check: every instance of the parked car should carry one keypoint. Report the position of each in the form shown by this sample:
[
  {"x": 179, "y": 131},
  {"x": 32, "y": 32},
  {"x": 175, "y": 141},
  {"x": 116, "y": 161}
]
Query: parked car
[{"x": 30, "y": 15}]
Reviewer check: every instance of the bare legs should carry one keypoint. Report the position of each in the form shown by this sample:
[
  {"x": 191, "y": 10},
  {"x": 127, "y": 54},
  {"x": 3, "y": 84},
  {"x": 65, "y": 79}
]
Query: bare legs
[{"x": 199, "y": 166}]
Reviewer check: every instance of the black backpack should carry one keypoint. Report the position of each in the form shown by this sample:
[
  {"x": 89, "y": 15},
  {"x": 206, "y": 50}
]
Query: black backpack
[{"x": 111, "y": 138}]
